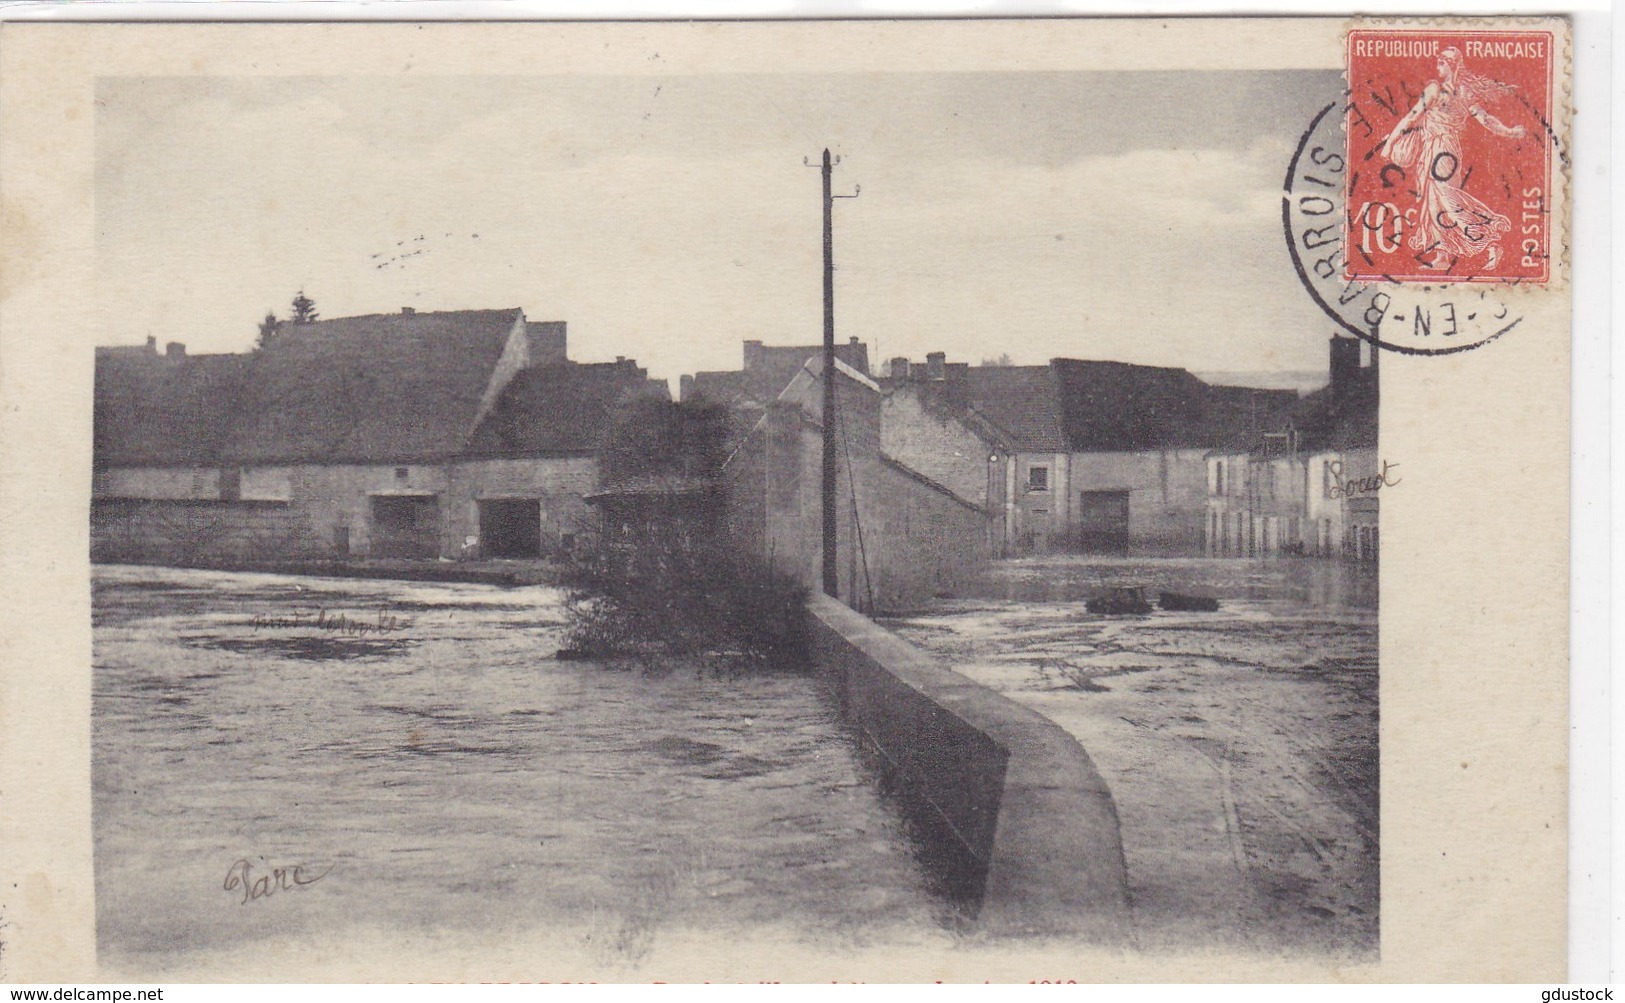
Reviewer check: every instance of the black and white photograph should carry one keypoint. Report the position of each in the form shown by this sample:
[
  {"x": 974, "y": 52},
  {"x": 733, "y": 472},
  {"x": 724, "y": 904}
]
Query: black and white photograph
[
  {"x": 470, "y": 456},
  {"x": 602, "y": 523}
]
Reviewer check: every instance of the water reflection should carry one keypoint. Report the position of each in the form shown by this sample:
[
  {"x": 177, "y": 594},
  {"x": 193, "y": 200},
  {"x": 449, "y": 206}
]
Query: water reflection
[
  {"x": 1314, "y": 582},
  {"x": 1240, "y": 745},
  {"x": 455, "y": 777}
]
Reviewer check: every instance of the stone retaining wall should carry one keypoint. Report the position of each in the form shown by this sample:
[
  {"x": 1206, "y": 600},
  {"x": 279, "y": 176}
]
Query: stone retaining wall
[
  {"x": 156, "y": 530},
  {"x": 1016, "y": 798}
]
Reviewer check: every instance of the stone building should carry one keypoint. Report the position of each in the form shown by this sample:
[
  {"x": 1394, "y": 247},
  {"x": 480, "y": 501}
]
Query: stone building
[
  {"x": 932, "y": 432},
  {"x": 1286, "y": 490},
  {"x": 1083, "y": 455},
  {"x": 901, "y": 536},
  {"x": 409, "y": 435},
  {"x": 764, "y": 372}
]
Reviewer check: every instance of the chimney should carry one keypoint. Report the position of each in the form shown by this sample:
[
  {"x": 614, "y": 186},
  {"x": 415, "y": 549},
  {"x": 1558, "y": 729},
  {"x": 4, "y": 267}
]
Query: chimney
[
  {"x": 1345, "y": 365},
  {"x": 856, "y": 356},
  {"x": 899, "y": 368},
  {"x": 407, "y": 311},
  {"x": 753, "y": 355},
  {"x": 152, "y": 344},
  {"x": 936, "y": 365},
  {"x": 685, "y": 388},
  {"x": 175, "y": 350},
  {"x": 546, "y": 342}
]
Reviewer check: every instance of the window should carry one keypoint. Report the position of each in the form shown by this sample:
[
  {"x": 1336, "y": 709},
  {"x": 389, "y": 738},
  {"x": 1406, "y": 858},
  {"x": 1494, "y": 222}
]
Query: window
[
  {"x": 1218, "y": 478},
  {"x": 1037, "y": 478},
  {"x": 401, "y": 473},
  {"x": 231, "y": 483}
]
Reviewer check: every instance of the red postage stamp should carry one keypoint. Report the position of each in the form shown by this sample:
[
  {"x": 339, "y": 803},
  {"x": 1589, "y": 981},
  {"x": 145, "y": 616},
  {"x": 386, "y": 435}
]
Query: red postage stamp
[{"x": 1450, "y": 155}]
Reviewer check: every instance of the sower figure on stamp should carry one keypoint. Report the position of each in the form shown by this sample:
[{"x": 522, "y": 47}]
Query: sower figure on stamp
[{"x": 1427, "y": 143}]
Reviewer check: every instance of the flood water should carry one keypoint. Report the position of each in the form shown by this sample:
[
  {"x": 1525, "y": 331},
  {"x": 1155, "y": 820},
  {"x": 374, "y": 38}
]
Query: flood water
[
  {"x": 1240, "y": 746},
  {"x": 418, "y": 755}
]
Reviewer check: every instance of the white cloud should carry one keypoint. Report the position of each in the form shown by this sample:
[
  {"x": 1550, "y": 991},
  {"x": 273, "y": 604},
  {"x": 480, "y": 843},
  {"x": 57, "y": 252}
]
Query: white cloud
[{"x": 673, "y": 255}]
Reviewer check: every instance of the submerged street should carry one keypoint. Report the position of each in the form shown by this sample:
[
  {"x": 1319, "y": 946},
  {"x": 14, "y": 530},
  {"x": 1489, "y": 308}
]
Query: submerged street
[
  {"x": 603, "y": 367},
  {"x": 281, "y": 758},
  {"x": 1240, "y": 746},
  {"x": 292, "y": 759}
]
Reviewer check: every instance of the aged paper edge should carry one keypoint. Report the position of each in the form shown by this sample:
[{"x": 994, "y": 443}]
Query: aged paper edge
[{"x": 46, "y": 898}]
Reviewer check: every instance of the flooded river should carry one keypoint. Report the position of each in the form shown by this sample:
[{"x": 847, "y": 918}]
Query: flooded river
[
  {"x": 305, "y": 758},
  {"x": 1240, "y": 746}
]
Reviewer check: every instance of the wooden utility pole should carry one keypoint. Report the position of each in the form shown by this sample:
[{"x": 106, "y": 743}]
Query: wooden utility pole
[{"x": 832, "y": 585}]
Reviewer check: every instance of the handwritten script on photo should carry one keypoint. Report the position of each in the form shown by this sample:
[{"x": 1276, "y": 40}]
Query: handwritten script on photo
[{"x": 341, "y": 623}]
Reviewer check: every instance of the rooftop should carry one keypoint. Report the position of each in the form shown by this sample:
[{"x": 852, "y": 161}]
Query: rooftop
[
  {"x": 382, "y": 388},
  {"x": 392, "y": 387}
]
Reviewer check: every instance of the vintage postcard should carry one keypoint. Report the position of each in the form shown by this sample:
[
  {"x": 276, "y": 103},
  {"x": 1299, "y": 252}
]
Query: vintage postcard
[{"x": 1036, "y": 500}]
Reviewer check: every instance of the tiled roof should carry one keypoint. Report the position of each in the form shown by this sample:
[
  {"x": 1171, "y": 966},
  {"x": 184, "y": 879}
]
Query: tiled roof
[
  {"x": 734, "y": 388},
  {"x": 559, "y": 409},
  {"x": 1022, "y": 401},
  {"x": 375, "y": 389},
  {"x": 945, "y": 399},
  {"x": 1118, "y": 406},
  {"x": 151, "y": 410},
  {"x": 774, "y": 366},
  {"x": 1073, "y": 405},
  {"x": 385, "y": 387},
  {"x": 1326, "y": 419},
  {"x": 770, "y": 370},
  {"x": 1237, "y": 416}
]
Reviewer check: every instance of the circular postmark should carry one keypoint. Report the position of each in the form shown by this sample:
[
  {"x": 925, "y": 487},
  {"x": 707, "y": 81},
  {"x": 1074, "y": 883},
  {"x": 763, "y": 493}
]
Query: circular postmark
[{"x": 1401, "y": 316}]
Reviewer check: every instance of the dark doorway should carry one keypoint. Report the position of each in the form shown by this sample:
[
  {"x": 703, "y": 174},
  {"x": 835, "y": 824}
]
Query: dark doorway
[
  {"x": 405, "y": 526},
  {"x": 511, "y": 527},
  {"x": 1103, "y": 520}
]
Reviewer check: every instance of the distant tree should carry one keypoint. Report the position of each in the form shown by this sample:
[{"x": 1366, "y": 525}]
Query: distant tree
[
  {"x": 268, "y": 328},
  {"x": 304, "y": 309},
  {"x": 1002, "y": 360}
]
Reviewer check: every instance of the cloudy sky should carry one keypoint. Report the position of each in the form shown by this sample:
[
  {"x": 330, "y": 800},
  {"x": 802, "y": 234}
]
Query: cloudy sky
[{"x": 1130, "y": 216}]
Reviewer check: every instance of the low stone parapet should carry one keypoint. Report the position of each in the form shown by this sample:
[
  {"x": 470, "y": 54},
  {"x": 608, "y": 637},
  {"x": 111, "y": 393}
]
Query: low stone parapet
[{"x": 1023, "y": 817}]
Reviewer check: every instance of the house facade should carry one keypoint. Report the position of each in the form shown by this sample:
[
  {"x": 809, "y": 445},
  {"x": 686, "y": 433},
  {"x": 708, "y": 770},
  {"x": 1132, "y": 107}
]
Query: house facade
[
  {"x": 1310, "y": 486},
  {"x": 1257, "y": 503},
  {"x": 929, "y": 432},
  {"x": 901, "y": 535},
  {"x": 1086, "y": 456},
  {"x": 410, "y": 435},
  {"x": 1108, "y": 457}
]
